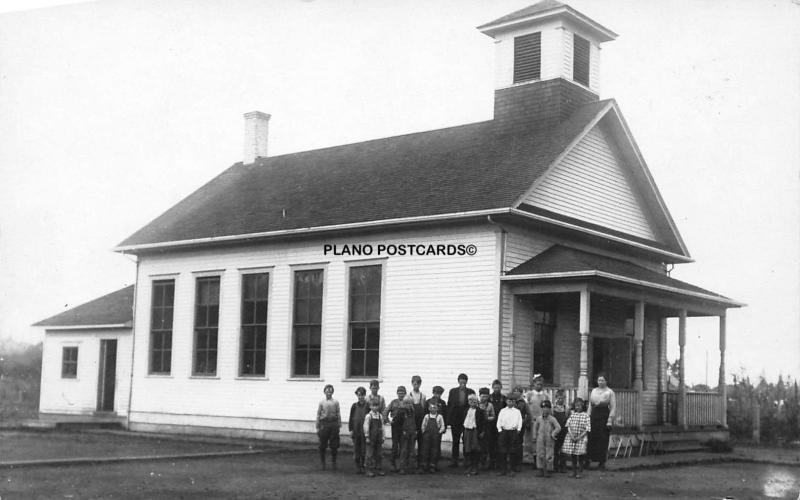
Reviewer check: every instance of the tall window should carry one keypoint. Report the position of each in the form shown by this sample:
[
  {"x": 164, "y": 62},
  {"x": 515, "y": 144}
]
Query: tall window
[
  {"x": 544, "y": 329},
  {"x": 307, "y": 322},
  {"x": 528, "y": 57},
  {"x": 580, "y": 60},
  {"x": 365, "y": 320},
  {"x": 206, "y": 323},
  {"x": 255, "y": 291},
  {"x": 161, "y": 326},
  {"x": 69, "y": 362}
]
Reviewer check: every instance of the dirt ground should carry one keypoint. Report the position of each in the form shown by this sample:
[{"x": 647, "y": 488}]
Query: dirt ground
[
  {"x": 295, "y": 474},
  {"x": 22, "y": 445}
]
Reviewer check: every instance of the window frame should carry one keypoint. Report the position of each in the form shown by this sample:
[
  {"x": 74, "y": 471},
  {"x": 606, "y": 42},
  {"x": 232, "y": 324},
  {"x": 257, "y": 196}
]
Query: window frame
[
  {"x": 161, "y": 332},
  {"x": 207, "y": 328},
  {"x": 241, "y": 353},
  {"x": 69, "y": 367},
  {"x": 349, "y": 321},
  {"x": 293, "y": 373}
]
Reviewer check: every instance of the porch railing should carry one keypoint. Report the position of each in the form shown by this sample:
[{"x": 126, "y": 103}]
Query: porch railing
[
  {"x": 703, "y": 408},
  {"x": 569, "y": 395},
  {"x": 627, "y": 406}
]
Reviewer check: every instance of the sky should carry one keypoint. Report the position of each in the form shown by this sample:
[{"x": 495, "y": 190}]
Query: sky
[{"x": 112, "y": 111}]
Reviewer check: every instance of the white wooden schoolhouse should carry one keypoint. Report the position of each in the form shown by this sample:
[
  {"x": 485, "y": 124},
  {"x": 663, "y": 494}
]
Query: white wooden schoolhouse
[{"x": 536, "y": 241}]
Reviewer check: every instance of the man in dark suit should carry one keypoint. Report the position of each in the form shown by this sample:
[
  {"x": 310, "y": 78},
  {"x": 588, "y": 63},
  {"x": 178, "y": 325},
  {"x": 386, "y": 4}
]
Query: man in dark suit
[{"x": 457, "y": 405}]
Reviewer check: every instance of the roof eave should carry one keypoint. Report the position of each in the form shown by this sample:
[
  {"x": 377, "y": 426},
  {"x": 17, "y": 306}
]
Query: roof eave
[
  {"x": 127, "y": 324},
  {"x": 669, "y": 256},
  {"x": 214, "y": 240},
  {"x": 625, "y": 279},
  {"x": 602, "y": 33}
]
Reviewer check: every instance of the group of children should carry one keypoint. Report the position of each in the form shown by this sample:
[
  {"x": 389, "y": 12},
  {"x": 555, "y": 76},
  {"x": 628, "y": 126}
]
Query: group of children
[{"x": 491, "y": 424}]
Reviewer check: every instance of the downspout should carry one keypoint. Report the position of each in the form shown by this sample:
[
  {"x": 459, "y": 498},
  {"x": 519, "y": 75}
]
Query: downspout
[
  {"x": 502, "y": 233},
  {"x": 133, "y": 345}
]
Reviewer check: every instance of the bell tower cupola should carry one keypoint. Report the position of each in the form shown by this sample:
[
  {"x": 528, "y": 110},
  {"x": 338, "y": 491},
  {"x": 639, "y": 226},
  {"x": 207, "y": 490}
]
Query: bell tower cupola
[{"x": 547, "y": 59}]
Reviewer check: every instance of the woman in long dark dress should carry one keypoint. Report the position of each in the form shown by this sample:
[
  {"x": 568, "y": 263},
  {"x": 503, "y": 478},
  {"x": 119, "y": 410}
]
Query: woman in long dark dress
[{"x": 602, "y": 406}]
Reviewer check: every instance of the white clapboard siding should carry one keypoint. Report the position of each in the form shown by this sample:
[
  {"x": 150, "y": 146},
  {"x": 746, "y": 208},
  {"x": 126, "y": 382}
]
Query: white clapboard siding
[
  {"x": 567, "y": 42},
  {"x": 439, "y": 318},
  {"x": 591, "y": 184},
  {"x": 523, "y": 341},
  {"x": 79, "y": 395},
  {"x": 594, "y": 67},
  {"x": 552, "y": 53},
  {"x": 522, "y": 246}
]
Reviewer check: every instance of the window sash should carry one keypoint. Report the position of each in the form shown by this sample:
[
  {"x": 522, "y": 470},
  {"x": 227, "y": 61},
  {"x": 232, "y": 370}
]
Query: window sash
[
  {"x": 544, "y": 330},
  {"x": 253, "y": 341},
  {"x": 364, "y": 326},
  {"x": 206, "y": 325},
  {"x": 69, "y": 362},
  {"x": 307, "y": 322},
  {"x": 162, "y": 309}
]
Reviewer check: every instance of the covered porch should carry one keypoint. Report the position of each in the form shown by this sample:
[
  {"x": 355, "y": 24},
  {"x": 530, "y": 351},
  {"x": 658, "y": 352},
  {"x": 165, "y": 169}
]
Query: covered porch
[{"x": 572, "y": 315}]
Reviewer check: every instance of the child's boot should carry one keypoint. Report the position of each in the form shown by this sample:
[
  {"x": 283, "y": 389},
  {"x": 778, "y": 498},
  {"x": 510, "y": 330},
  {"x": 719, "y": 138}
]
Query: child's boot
[
  {"x": 333, "y": 459},
  {"x": 322, "y": 459}
]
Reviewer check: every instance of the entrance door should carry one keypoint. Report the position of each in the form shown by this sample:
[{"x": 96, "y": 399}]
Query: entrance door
[
  {"x": 612, "y": 356},
  {"x": 106, "y": 382}
]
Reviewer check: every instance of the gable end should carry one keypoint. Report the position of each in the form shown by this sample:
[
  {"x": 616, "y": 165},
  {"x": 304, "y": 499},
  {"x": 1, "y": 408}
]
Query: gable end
[{"x": 592, "y": 183}]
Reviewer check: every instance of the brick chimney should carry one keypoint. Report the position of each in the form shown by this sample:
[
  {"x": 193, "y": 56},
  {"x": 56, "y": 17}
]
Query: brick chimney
[
  {"x": 256, "y": 132},
  {"x": 547, "y": 63}
]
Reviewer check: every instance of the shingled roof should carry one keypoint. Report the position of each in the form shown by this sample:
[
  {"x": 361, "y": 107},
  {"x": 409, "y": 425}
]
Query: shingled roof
[
  {"x": 560, "y": 261},
  {"x": 116, "y": 308},
  {"x": 447, "y": 171},
  {"x": 546, "y": 8},
  {"x": 537, "y": 8}
]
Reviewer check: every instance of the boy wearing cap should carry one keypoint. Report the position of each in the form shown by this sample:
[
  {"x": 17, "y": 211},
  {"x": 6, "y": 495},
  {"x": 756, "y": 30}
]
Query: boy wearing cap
[
  {"x": 373, "y": 436},
  {"x": 490, "y": 430},
  {"x": 355, "y": 424},
  {"x": 498, "y": 400},
  {"x": 418, "y": 400},
  {"x": 534, "y": 398},
  {"x": 329, "y": 421},
  {"x": 436, "y": 399},
  {"x": 457, "y": 404},
  {"x": 527, "y": 424},
  {"x": 374, "y": 386},
  {"x": 509, "y": 425},
  {"x": 432, "y": 429},
  {"x": 395, "y": 414},
  {"x": 545, "y": 431}
]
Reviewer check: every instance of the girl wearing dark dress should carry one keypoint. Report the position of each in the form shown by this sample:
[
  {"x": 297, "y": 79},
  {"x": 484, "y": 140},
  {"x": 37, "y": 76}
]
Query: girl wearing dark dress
[{"x": 602, "y": 406}]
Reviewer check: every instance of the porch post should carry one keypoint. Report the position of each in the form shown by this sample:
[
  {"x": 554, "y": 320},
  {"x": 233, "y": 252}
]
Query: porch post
[
  {"x": 583, "y": 329},
  {"x": 638, "y": 339},
  {"x": 682, "y": 420},
  {"x": 722, "y": 388}
]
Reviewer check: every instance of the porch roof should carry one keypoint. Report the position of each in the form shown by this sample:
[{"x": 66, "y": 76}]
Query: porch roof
[{"x": 562, "y": 263}]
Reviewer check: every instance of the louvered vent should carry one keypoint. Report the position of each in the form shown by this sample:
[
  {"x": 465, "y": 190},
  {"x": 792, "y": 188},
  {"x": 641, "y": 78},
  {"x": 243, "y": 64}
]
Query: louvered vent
[
  {"x": 580, "y": 60},
  {"x": 528, "y": 57}
]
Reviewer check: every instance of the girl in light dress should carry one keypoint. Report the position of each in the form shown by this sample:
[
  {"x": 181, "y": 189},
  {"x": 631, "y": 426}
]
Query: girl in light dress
[{"x": 578, "y": 426}]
